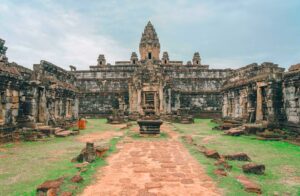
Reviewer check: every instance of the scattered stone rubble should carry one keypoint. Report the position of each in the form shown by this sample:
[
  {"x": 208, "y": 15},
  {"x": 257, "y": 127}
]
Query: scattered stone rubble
[
  {"x": 222, "y": 166},
  {"x": 254, "y": 168},
  {"x": 77, "y": 179},
  {"x": 212, "y": 154},
  {"x": 50, "y": 187},
  {"x": 86, "y": 156},
  {"x": 235, "y": 131},
  {"x": 249, "y": 185},
  {"x": 264, "y": 97},
  {"x": 237, "y": 157},
  {"x": 90, "y": 152}
]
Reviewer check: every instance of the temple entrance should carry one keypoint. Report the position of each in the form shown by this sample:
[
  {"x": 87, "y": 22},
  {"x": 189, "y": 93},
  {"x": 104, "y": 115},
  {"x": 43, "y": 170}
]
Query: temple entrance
[{"x": 150, "y": 101}]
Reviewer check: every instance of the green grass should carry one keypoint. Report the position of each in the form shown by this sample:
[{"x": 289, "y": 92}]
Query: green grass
[
  {"x": 25, "y": 165},
  {"x": 282, "y": 159},
  {"x": 91, "y": 170}
]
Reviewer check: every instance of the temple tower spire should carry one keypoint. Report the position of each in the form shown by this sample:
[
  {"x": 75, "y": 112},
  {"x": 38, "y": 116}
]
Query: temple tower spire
[{"x": 149, "y": 45}]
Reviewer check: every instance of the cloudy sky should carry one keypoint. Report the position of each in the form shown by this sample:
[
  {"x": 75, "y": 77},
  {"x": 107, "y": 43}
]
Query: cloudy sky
[{"x": 227, "y": 33}]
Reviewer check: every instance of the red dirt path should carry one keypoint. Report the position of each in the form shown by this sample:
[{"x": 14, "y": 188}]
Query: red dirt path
[{"x": 162, "y": 167}]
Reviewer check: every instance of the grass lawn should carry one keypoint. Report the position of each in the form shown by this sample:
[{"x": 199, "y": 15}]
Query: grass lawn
[
  {"x": 25, "y": 165},
  {"x": 282, "y": 160}
]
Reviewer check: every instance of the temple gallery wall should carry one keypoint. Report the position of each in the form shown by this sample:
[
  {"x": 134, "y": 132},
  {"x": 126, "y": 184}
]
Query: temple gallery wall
[{"x": 49, "y": 95}]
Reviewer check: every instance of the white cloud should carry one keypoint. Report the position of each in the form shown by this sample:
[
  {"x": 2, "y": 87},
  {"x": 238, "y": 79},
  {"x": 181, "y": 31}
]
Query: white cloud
[
  {"x": 180, "y": 12},
  {"x": 3, "y": 8},
  {"x": 58, "y": 36},
  {"x": 228, "y": 33}
]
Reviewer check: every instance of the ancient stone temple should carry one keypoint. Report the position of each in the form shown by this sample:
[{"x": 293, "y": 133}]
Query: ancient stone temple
[
  {"x": 161, "y": 84},
  {"x": 48, "y": 94}
]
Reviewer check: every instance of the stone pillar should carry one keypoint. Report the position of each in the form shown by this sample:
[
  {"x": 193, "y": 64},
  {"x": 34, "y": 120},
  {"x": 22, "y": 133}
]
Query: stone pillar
[
  {"x": 90, "y": 153},
  {"x": 177, "y": 102},
  {"x": 2, "y": 119},
  {"x": 170, "y": 100},
  {"x": 56, "y": 108},
  {"x": 161, "y": 100},
  {"x": 139, "y": 108},
  {"x": 14, "y": 105},
  {"x": 60, "y": 107},
  {"x": 259, "y": 112},
  {"x": 225, "y": 106},
  {"x": 76, "y": 108},
  {"x": 156, "y": 109},
  {"x": 132, "y": 99}
]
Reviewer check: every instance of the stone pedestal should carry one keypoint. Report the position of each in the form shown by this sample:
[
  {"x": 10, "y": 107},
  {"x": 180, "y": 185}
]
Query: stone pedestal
[{"x": 150, "y": 126}]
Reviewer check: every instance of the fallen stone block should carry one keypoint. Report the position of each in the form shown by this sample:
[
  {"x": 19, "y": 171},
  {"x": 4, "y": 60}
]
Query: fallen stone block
[
  {"x": 270, "y": 135},
  {"x": 87, "y": 154},
  {"x": 51, "y": 192},
  {"x": 220, "y": 172},
  {"x": 253, "y": 128},
  {"x": 63, "y": 134},
  {"x": 235, "y": 131},
  {"x": 238, "y": 157},
  {"x": 101, "y": 150},
  {"x": 226, "y": 126},
  {"x": 49, "y": 185},
  {"x": 223, "y": 163},
  {"x": 57, "y": 130},
  {"x": 254, "y": 168},
  {"x": 188, "y": 139},
  {"x": 47, "y": 130},
  {"x": 249, "y": 185},
  {"x": 77, "y": 179},
  {"x": 212, "y": 154}
]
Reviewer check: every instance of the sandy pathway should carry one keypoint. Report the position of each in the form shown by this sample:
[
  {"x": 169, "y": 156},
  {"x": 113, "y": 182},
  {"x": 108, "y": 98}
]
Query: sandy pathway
[{"x": 162, "y": 167}]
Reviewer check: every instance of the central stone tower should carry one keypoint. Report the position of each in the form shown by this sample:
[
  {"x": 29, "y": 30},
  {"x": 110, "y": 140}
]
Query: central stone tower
[{"x": 149, "y": 45}]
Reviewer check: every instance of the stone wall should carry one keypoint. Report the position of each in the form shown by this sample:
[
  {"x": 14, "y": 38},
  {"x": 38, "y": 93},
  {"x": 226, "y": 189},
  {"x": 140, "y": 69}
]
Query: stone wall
[
  {"x": 254, "y": 94},
  {"x": 56, "y": 96},
  {"x": 103, "y": 89},
  {"x": 46, "y": 95},
  {"x": 291, "y": 92},
  {"x": 190, "y": 86},
  {"x": 197, "y": 89}
]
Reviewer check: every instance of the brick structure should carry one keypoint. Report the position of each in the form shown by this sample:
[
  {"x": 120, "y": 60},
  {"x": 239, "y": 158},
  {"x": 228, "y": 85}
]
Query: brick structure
[
  {"x": 152, "y": 82},
  {"x": 47, "y": 94}
]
